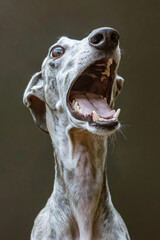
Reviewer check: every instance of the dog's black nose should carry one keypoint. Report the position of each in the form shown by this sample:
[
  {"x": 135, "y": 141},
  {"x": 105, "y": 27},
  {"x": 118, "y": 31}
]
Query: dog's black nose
[{"x": 104, "y": 38}]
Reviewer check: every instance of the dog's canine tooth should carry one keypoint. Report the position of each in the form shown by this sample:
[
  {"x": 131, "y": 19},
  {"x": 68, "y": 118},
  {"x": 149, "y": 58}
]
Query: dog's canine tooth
[{"x": 117, "y": 114}]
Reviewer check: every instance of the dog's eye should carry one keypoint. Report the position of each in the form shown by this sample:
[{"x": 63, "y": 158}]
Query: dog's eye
[{"x": 57, "y": 52}]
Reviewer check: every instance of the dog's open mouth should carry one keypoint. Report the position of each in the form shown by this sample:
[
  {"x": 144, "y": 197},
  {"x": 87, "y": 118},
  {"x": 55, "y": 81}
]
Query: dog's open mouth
[{"x": 90, "y": 95}]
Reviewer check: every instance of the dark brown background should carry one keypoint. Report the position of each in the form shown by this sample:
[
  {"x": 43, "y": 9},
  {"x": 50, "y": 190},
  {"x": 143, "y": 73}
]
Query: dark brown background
[{"x": 27, "y": 29}]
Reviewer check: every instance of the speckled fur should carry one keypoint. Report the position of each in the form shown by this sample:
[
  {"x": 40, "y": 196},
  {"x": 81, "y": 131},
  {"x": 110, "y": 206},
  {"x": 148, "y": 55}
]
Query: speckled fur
[{"x": 80, "y": 206}]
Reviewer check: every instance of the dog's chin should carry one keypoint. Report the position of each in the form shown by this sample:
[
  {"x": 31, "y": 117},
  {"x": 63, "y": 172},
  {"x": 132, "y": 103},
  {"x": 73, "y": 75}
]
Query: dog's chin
[
  {"x": 96, "y": 127},
  {"x": 89, "y": 98},
  {"x": 104, "y": 130}
]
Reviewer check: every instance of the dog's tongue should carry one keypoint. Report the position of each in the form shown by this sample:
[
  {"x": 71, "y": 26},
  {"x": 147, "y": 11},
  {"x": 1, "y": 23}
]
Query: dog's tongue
[{"x": 90, "y": 102}]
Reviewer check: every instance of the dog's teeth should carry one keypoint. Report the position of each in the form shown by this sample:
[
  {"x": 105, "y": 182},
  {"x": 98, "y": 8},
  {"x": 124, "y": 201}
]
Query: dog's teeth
[
  {"x": 95, "y": 115},
  {"x": 80, "y": 110},
  {"x": 110, "y": 61},
  {"x": 102, "y": 119},
  {"x": 76, "y": 106},
  {"x": 115, "y": 116},
  {"x": 107, "y": 70}
]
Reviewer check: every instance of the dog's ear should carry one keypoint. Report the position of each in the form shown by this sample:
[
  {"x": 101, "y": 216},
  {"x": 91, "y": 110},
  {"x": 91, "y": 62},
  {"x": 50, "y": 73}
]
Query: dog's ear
[
  {"x": 117, "y": 89},
  {"x": 34, "y": 99}
]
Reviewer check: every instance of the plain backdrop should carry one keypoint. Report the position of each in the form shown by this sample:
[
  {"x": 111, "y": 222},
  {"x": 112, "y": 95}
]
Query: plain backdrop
[{"x": 27, "y": 29}]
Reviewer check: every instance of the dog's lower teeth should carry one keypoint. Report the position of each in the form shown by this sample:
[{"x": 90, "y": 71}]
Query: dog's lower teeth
[
  {"x": 76, "y": 106},
  {"x": 117, "y": 114},
  {"x": 96, "y": 117}
]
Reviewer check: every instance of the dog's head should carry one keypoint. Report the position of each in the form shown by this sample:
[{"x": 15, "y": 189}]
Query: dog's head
[{"x": 78, "y": 84}]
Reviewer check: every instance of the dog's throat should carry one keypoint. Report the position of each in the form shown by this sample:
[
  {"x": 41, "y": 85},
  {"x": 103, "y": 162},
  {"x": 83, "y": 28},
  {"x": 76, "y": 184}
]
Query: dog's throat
[{"x": 85, "y": 180}]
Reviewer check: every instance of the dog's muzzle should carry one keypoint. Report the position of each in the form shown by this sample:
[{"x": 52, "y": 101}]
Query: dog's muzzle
[{"x": 89, "y": 97}]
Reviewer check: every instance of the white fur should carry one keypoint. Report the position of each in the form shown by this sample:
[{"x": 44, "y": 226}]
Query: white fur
[{"x": 80, "y": 206}]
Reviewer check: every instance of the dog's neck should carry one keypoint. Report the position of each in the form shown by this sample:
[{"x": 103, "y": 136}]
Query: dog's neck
[{"x": 80, "y": 186}]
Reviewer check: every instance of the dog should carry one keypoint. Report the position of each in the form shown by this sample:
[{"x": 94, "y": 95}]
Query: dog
[{"x": 72, "y": 98}]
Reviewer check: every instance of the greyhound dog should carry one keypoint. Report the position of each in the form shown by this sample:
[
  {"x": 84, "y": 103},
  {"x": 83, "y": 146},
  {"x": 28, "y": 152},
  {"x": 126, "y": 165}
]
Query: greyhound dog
[{"x": 72, "y": 98}]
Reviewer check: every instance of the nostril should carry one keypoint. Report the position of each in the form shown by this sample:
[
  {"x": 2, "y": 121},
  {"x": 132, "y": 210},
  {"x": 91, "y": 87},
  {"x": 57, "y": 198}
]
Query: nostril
[
  {"x": 114, "y": 37},
  {"x": 96, "y": 38},
  {"x": 104, "y": 38}
]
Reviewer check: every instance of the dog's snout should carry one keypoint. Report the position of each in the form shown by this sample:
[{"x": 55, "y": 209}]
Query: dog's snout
[{"x": 104, "y": 38}]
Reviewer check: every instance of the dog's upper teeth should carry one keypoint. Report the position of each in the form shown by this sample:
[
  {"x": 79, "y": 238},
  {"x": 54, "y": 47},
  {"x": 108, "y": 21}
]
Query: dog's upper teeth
[
  {"x": 110, "y": 61},
  {"x": 115, "y": 116},
  {"x": 107, "y": 70}
]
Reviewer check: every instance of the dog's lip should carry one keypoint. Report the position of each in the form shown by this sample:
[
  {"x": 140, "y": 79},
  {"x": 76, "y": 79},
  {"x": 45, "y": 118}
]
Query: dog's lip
[{"x": 110, "y": 124}]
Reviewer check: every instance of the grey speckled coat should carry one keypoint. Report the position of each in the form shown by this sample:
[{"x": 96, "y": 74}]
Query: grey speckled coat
[{"x": 80, "y": 206}]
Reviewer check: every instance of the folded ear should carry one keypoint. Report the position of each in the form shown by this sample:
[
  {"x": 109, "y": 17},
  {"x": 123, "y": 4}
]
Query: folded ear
[
  {"x": 117, "y": 88},
  {"x": 34, "y": 99}
]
